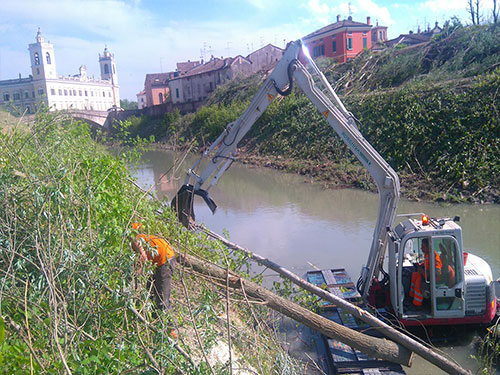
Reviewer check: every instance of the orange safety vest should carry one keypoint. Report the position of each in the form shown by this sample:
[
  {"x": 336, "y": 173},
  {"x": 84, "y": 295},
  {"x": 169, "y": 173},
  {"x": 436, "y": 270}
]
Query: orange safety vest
[
  {"x": 416, "y": 289},
  {"x": 438, "y": 264},
  {"x": 165, "y": 251},
  {"x": 416, "y": 279}
]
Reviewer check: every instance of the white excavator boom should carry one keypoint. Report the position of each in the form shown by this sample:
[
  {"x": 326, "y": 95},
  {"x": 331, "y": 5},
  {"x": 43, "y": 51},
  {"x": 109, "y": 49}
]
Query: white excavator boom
[{"x": 223, "y": 150}]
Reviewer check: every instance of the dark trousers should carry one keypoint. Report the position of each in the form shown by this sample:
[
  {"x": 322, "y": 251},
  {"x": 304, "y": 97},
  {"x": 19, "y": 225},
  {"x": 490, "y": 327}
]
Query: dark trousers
[{"x": 160, "y": 284}]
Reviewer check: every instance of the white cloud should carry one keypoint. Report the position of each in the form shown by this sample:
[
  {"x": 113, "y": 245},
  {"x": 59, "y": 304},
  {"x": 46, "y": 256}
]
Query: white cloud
[
  {"x": 259, "y": 4},
  {"x": 370, "y": 8},
  {"x": 444, "y": 5},
  {"x": 318, "y": 7}
]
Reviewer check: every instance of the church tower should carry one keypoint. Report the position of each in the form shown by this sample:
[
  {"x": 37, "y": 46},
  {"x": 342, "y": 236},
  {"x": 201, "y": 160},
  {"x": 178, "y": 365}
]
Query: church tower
[
  {"x": 108, "y": 67},
  {"x": 108, "y": 73},
  {"x": 43, "y": 62}
]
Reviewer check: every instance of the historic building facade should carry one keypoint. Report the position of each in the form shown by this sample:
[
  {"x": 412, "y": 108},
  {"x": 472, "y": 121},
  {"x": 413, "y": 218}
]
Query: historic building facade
[
  {"x": 44, "y": 85},
  {"x": 342, "y": 40},
  {"x": 194, "y": 81}
]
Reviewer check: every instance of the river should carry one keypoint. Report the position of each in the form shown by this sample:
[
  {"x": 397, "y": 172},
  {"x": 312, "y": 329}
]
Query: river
[{"x": 297, "y": 224}]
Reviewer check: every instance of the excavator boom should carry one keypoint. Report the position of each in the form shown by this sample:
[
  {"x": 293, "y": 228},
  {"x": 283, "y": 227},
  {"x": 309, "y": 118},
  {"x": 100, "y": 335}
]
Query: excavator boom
[{"x": 322, "y": 95}]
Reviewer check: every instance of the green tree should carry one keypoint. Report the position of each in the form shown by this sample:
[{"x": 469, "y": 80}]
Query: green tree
[{"x": 126, "y": 104}]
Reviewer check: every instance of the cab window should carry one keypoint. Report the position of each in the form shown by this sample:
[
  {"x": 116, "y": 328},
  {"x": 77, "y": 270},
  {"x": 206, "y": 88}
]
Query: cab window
[{"x": 448, "y": 252}]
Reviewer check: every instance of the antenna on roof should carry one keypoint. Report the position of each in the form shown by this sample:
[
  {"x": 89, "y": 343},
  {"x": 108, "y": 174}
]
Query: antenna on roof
[{"x": 350, "y": 10}]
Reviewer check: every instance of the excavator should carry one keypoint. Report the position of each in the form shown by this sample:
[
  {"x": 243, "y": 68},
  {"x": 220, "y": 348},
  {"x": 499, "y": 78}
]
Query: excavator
[{"x": 458, "y": 288}]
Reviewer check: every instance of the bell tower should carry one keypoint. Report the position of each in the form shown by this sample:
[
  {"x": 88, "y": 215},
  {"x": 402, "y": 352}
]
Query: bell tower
[
  {"x": 43, "y": 62},
  {"x": 108, "y": 73},
  {"x": 108, "y": 67}
]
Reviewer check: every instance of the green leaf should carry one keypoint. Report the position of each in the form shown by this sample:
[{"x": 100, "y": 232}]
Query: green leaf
[{"x": 2, "y": 330}]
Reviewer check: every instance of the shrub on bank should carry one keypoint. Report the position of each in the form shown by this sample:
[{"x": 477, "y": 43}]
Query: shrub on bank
[{"x": 70, "y": 298}]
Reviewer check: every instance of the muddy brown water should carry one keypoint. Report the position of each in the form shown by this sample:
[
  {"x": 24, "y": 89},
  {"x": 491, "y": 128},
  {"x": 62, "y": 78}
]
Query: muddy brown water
[{"x": 297, "y": 224}]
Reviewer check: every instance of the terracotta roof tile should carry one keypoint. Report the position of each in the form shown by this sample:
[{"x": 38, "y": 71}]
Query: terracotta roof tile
[
  {"x": 335, "y": 26},
  {"x": 159, "y": 78}
]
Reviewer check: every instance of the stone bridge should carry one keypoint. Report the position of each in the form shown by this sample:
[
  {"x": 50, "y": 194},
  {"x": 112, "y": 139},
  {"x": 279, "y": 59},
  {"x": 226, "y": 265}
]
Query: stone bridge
[{"x": 103, "y": 119}]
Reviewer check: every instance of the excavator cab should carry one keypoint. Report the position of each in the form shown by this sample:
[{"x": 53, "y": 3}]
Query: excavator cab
[
  {"x": 437, "y": 290},
  {"x": 432, "y": 280}
]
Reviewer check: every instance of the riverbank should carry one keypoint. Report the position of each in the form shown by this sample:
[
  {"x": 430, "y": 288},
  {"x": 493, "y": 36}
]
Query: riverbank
[
  {"x": 72, "y": 297},
  {"x": 330, "y": 175}
]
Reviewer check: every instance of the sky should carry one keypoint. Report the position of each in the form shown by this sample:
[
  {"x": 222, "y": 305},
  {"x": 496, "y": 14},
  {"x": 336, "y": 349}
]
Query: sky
[{"x": 150, "y": 36}]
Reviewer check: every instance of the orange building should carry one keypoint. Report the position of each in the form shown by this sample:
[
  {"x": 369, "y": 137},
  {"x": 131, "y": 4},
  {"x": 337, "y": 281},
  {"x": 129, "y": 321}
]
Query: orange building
[
  {"x": 156, "y": 88},
  {"x": 342, "y": 40}
]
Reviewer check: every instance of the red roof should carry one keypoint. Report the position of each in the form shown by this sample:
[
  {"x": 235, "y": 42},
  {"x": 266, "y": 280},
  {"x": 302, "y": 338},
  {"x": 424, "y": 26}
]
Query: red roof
[
  {"x": 183, "y": 67},
  {"x": 338, "y": 25},
  {"x": 159, "y": 78},
  {"x": 210, "y": 66}
]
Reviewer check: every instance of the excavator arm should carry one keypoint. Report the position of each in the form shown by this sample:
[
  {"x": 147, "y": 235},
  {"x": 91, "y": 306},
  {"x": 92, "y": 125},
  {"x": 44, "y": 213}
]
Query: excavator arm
[{"x": 322, "y": 95}]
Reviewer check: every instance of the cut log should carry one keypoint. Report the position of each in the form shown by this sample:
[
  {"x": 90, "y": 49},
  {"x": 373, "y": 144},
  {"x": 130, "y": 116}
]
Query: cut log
[
  {"x": 425, "y": 352},
  {"x": 372, "y": 346}
]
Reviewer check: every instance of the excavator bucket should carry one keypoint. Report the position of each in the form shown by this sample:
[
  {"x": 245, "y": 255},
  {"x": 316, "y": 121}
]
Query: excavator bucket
[{"x": 183, "y": 201}]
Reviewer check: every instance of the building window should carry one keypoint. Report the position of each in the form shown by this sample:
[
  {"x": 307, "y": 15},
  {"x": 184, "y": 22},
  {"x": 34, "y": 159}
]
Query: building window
[
  {"x": 114, "y": 70},
  {"x": 79, "y": 92},
  {"x": 74, "y": 92},
  {"x": 364, "y": 33},
  {"x": 52, "y": 91},
  {"x": 26, "y": 95},
  {"x": 70, "y": 93},
  {"x": 37, "y": 59},
  {"x": 319, "y": 51},
  {"x": 103, "y": 94},
  {"x": 349, "y": 44},
  {"x": 365, "y": 44},
  {"x": 6, "y": 97},
  {"x": 109, "y": 94},
  {"x": 160, "y": 97},
  {"x": 38, "y": 71},
  {"x": 86, "y": 93},
  {"x": 40, "y": 91},
  {"x": 17, "y": 96},
  {"x": 349, "y": 33},
  {"x": 106, "y": 69},
  {"x": 47, "y": 56},
  {"x": 66, "y": 92},
  {"x": 177, "y": 93},
  {"x": 60, "y": 91},
  {"x": 91, "y": 93},
  {"x": 211, "y": 86},
  {"x": 334, "y": 46},
  {"x": 33, "y": 94}
]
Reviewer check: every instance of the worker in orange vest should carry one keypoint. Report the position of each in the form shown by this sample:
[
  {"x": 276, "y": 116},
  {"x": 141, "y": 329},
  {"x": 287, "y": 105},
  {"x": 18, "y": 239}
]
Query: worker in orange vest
[
  {"x": 416, "y": 291},
  {"x": 162, "y": 256}
]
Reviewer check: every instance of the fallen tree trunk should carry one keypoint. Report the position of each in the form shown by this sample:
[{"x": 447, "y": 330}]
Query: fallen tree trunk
[
  {"x": 425, "y": 352},
  {"x": 372, "y": 346}
]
